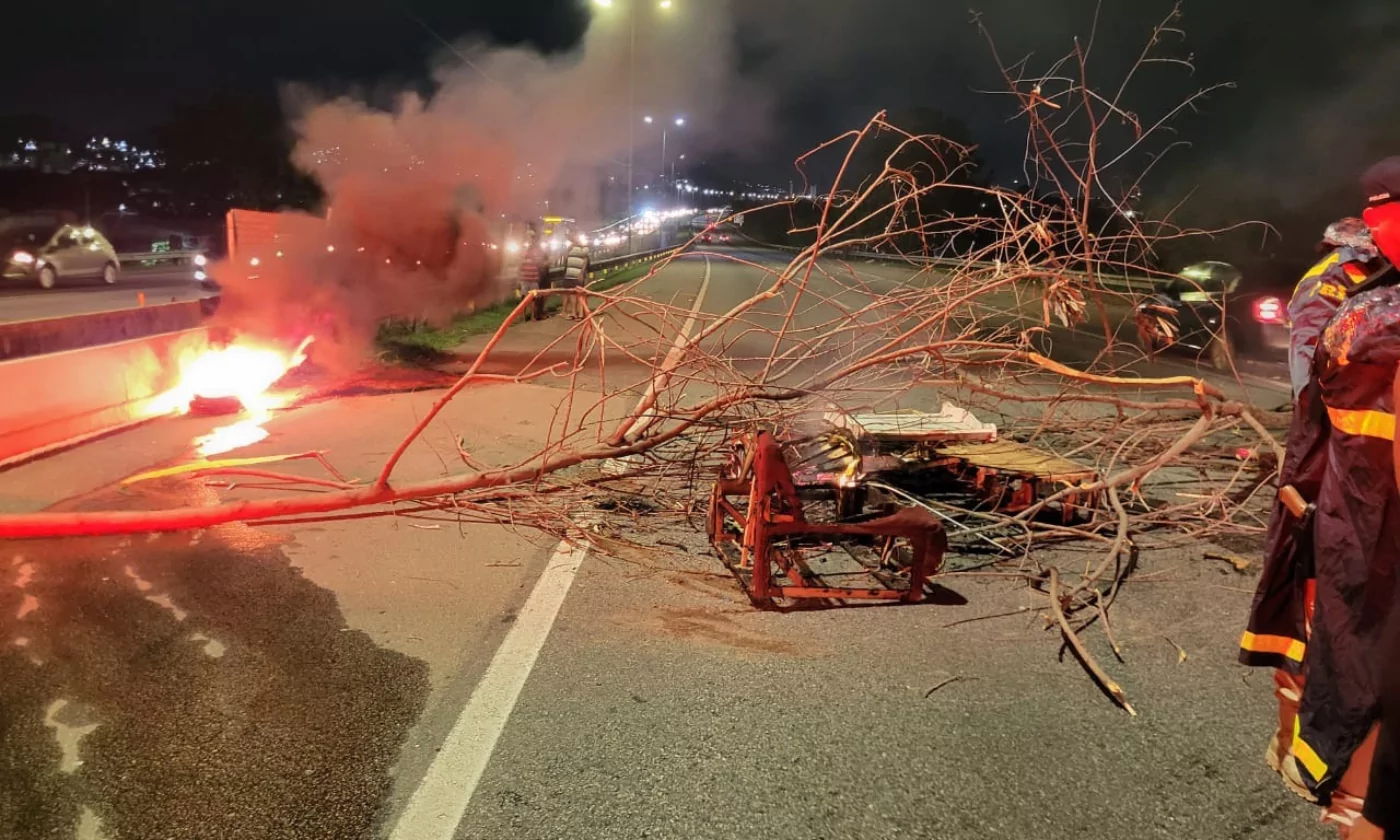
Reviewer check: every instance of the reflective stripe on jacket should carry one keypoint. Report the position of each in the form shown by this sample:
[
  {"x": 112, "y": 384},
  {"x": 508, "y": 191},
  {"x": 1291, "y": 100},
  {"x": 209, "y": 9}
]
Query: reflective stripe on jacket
[{"x": 1356, "y": 535}]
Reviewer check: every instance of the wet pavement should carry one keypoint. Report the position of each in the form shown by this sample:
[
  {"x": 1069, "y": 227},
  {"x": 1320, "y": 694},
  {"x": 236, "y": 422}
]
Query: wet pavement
[
  {"x": 164, "y": 687},
  {"x": 245, "y": 681}
]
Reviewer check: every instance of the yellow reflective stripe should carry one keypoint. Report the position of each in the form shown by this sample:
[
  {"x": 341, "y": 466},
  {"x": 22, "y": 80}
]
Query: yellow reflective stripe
[
  {"x": 1327, "y": 263},
  {"x": 1291, "y": 648},
  {"x": 1376, "y": 424},
  {"x": 1316, "y": 767}
]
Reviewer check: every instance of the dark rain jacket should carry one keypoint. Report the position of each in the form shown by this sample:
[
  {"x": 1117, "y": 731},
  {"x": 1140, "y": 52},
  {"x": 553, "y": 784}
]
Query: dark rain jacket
[
  {"x": 1276, "y": 634},
  {"x": 1356, "y": 534}
]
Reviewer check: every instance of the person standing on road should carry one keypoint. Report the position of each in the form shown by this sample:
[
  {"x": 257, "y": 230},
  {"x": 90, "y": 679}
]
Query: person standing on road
[
  {"x": 576, "y": 277},
  {"x": 1356, "y": 537},
  {"x": 534, "y": 271},
  {"x": 1276, "y": 634}
]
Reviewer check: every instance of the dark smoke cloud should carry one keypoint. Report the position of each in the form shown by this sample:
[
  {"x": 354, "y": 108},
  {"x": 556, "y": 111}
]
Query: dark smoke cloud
[
  {"x": 1313, "y": 99},
  {"x": 1315, "y": 103}
]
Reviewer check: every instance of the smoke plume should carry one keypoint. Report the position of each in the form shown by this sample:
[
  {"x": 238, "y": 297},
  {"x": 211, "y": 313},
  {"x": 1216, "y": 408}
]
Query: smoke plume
[{"x": 421, "y": 191}]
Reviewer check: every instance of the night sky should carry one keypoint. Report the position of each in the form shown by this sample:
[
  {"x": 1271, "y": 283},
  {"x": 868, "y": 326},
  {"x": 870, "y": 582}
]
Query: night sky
[{"x": 1316, "y": 85}]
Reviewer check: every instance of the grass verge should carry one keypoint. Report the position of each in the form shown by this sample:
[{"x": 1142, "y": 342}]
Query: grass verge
[{"x": 415, "y": 342}]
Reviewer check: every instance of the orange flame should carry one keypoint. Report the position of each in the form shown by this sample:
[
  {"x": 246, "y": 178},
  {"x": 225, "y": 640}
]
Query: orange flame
[{"x": 243, "y": 371}]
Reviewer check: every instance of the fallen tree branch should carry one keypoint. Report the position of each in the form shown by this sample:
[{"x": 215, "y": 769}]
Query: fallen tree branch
[{"x": 1072, "y": 639}]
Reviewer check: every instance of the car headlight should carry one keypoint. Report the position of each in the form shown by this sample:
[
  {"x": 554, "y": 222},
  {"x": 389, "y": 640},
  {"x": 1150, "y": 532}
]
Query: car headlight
[
  {"x": 22, "y": 257},
  {"x": 200, "y": 276},
  {"x": 201, "y": 260}
]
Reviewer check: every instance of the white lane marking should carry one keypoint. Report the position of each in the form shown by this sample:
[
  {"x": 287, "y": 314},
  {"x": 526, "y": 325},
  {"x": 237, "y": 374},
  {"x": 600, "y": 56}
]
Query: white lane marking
[
  {"x": 673, "y": 358},
  {"x": 90, "y": 825},
  {"x": 436, "y": 807}
]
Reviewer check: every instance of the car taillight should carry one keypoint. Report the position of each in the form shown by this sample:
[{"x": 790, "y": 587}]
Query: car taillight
[{"x": 1269, "y": 310}]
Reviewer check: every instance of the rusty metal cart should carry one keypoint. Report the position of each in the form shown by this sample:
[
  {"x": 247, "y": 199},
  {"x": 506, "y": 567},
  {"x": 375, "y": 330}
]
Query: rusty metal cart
[{"x": 758, "y": 525}]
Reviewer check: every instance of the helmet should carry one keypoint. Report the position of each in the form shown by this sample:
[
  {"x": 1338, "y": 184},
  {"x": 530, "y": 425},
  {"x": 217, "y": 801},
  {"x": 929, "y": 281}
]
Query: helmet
[{"x": 1349, "y": 232}]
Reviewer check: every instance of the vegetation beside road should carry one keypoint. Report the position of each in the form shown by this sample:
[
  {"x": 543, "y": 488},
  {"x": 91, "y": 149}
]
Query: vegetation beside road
[{"x": 417, "y": 342}]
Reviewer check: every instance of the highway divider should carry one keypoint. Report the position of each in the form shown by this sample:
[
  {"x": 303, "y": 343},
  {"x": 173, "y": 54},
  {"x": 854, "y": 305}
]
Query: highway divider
[
  {"x": 61, "y": 399},
  {"x": 22, "y": 339},
  {"x": 69, "y": 380},
  {"x": 55, "y": 335}
]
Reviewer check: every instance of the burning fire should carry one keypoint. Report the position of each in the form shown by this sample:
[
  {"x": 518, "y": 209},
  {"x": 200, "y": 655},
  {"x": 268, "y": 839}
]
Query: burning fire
[{"x": 241, "y": 371}]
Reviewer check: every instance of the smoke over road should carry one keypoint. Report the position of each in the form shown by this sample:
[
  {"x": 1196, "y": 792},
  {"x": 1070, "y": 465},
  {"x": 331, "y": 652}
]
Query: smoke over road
[{"x": 418, "y": 187}]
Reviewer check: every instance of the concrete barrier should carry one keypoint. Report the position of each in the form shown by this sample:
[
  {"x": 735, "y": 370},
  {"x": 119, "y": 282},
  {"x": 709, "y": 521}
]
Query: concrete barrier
[
  {"x": 60, "y": 399},
  {"x": 55, "y": 335}
]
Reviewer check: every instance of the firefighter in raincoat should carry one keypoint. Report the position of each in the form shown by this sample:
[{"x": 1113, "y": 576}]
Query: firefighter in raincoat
[
  {"x": 1356, "y": 530},
  {"x": 1276, "y": 635}
]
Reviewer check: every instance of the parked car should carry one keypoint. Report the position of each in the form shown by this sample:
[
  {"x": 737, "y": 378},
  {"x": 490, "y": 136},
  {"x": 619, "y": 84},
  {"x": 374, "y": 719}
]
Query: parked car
[
  {"x": 1221, "y": 310},
  {"x": 44, "y": 253}
]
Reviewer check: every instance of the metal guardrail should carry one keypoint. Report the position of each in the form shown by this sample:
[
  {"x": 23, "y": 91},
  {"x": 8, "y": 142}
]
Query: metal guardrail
[
  {"x": 603, "y": 266},
  {"x": 599, "y": 267},
  {"x": 160, "y": 259}
]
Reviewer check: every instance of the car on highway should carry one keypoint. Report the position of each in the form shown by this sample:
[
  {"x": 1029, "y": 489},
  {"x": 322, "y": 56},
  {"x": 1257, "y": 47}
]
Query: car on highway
[
  {"x": 1221, "y": 310},
  {"x": 47, "y": 252},
  {"x": 710, "y": 237}
]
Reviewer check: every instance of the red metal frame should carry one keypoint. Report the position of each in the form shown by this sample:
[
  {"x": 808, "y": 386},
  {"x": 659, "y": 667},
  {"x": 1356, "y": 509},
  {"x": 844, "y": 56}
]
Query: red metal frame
[{"x": 775, "y": 513}]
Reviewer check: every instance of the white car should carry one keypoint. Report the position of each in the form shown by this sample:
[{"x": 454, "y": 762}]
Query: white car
[{"x": 46, "y": 253}]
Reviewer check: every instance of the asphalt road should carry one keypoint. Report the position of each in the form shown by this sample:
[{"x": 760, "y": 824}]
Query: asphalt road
[
  {"x": 81, "y": 297},
  {"x": 383, "y": 678}
]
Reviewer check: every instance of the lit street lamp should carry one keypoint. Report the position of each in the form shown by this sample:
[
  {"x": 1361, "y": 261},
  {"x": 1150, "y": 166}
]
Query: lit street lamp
[
  {"x": 664, "y": 5},
  {"x": 679, "y": 122},
  {"x": 674, "y": 182}
]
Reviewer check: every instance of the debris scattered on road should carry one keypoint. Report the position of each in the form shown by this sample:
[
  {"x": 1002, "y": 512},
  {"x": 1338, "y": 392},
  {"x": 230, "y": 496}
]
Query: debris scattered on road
[
  {"x": 629, "y": 504},
  {"x": 758, "y": 525},
  {"x": 1239, "y": 564},
  {"x": 1091, "y": 665},
  {"x": 1180, "y": 651},
  {"x": 867, "y": 478},
  {"x": 947, "y": 682}
]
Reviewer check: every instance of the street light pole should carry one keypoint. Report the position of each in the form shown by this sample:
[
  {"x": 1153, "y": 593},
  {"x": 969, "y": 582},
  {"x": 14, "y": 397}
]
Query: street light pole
[
  {"x": 664, "y": 5},
  {"x": 631, "y": 119}
]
